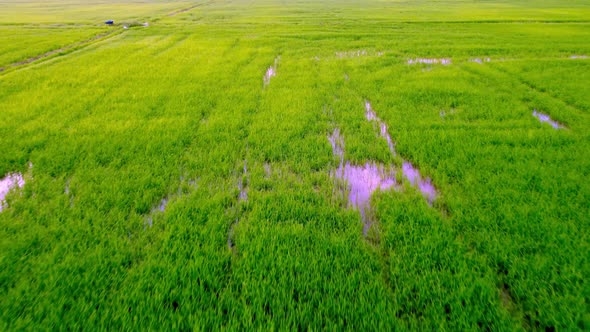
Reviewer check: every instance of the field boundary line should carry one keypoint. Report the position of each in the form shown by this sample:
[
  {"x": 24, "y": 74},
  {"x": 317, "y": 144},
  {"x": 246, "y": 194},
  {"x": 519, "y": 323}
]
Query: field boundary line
[
  {"x": 528, "y": 85},
  {"x": 184, "y": 10},
  {"x": 531, "y": 86},
  {"x": 500, "y": 21},
  {"x": 60, "y": 51}
]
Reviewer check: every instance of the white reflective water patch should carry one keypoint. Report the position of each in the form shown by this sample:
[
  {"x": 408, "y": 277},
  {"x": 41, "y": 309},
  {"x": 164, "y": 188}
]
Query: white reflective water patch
[{"x": 574, "y": 57}]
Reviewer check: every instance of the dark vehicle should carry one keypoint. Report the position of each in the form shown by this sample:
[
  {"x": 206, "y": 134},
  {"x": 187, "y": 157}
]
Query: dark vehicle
[{"x": 109, "y": 22}]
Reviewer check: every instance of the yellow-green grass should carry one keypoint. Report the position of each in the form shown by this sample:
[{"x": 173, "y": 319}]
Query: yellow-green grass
[{"x": 174, "y": 111}]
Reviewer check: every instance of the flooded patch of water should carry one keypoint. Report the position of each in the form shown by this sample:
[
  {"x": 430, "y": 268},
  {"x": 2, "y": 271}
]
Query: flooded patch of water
[
  {"x": 369, "y": 113},
  {"x": 480, "y": 60},
  {"x": 579, "y": 57},
  {"x": 362, "y": 181},
  {"x": 271, "y": 72},
  {"x": 243, "y": 185},
  {"x": 442, "y": 61},
  {"x": 8, "y": 183},
  {"x": 385, "y": 134},
  {"x": 160, "y": 208},
  {"x": 546, "y": 119},
  {"x": 372, "y": 116},
  {"x": 424, "y": 185},
  {"x": 337, "y": 144},
  {"x": 411, "y": 173},
  {"x": 351, "y": 54},
  {"x": 356, "y": 54},
  {"x": 242, "y": 197}
]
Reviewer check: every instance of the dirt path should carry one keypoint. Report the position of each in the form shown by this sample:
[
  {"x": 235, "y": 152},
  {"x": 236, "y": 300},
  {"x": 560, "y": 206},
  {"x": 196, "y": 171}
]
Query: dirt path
[
  {"x": 68, "y": 48},
  {"x": 188, "y": 8}
]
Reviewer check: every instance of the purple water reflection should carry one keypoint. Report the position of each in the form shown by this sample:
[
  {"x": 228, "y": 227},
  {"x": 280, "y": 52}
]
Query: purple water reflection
[
  {"x": 160, "y": 208},
  {"x": 337, "y": 144},
  {"x": 162, "y": 205},
  {"x": 411, "y": 173},
  {"x": 8, "y": 183},
  {"x": 357, "y": 53},
  {"x": 443, "y": 61},
  {"x": 361, "y": 182},
  {"x": 424, "y": 185},
  {"x": 385, "y": 135},
  {"x": 372, "y": 116},
  {"x": 547, "y": 119},
  {"x": 480, "y": 61},
  {"x": 271, "y": 72}
]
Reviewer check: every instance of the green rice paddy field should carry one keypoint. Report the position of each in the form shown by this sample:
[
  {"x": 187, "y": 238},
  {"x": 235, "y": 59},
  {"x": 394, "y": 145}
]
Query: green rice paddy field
[{"x": 199, "y": 172}]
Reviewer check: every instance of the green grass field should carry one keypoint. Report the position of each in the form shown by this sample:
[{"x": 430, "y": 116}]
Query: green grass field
[{"x": 170, "y": 185}]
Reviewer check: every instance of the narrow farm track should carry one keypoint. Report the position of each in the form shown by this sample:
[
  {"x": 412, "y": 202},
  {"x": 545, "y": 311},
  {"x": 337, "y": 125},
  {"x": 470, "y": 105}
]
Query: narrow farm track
[
  {"x": 243, "y": 180},
  {"x": 532, "y": 86},
  {"x": 63, "y": 51},
  {"x": 184, "y": 10},
  {"x": 498, "y": 74},
  {"x": 244, "y": 164}
]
